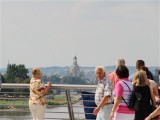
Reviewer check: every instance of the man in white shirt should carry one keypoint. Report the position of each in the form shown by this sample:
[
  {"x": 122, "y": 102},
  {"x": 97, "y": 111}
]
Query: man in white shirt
[{"x": 103, "y": 95}]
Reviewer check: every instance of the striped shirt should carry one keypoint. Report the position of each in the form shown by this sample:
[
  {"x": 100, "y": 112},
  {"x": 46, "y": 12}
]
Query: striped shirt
[{"x": 122, "y": 90}]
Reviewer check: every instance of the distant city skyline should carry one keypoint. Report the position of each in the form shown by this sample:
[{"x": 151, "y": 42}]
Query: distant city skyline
[{"x": 50, "y": 33}]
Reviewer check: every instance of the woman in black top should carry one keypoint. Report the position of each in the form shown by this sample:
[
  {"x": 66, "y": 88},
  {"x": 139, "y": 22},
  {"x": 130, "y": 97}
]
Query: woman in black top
[{"x": 146, "y": 95}]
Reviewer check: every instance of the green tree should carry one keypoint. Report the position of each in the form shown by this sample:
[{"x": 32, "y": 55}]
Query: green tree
[{"x": 16, "y": 74}]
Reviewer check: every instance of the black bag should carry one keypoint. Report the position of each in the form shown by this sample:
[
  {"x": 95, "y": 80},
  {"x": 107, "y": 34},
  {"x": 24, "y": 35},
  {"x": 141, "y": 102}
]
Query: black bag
[
  {"x": 131, "y": 101},
  {"x": 134, "y": 100},
  {"x": 138, "y": 98}
]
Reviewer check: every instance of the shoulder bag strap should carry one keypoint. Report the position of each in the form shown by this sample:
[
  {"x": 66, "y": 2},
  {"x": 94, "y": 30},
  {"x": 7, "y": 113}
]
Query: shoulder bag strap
[
  {"x": 127, "y": 85},
  {"x": 129, "y": 89}
]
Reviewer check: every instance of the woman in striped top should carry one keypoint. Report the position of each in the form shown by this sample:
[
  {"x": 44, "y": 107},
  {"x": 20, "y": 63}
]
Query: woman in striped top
[{"x": 120, "y": 111}]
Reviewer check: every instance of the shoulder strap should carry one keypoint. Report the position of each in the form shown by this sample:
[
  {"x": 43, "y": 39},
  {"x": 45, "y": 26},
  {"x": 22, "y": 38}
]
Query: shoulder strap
[
  {"x": 124, "y": 101},
  {"x": 129, "y": 89},
  {"x": 127, "y": 85}
]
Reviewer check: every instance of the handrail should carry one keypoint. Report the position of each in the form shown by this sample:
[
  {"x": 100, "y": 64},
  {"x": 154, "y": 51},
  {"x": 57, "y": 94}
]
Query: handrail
[
  {"x": 54, "y": 86},
  {"x": 64, "y": 87}
]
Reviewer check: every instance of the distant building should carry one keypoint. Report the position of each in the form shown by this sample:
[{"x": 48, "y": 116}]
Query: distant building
[{"x": 75, "y": 69}]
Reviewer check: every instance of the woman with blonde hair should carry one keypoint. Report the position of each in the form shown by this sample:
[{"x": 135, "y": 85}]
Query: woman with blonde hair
[
  {"x": 152, "y": 84},
  {"x": 140, "y": 83},
  {"x": 37, "y": 100}
]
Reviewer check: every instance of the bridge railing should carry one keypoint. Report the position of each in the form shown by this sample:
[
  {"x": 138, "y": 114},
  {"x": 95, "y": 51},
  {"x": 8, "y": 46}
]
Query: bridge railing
[{"x": 72, "y": 111}]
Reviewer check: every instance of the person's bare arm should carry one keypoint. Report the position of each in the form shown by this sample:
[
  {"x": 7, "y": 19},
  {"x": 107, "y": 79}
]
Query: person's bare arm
[
  {"x": 152, "y": 96},
  {"x": 153, "y": 114},
  {"x": 101, "y": 104},
  {"x": 47, "y": 88},
  {"x": 155, "y": 91},
  {"x": 116, "y": 103}
]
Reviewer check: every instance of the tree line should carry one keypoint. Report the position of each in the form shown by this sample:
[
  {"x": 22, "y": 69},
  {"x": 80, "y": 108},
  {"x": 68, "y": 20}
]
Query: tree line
[{"x": 19, "y": 74}]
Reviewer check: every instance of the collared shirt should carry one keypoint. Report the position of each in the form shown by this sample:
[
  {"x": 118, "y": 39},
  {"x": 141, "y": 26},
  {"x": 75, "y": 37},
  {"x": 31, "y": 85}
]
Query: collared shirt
[
  {"x": 104, "y": 88},
  {"x": 36, "y": 92}
]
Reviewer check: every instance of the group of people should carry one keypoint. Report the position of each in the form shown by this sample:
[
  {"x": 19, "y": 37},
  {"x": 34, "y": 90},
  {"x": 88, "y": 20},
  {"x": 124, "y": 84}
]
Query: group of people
[{"x": 118, "y": 86}]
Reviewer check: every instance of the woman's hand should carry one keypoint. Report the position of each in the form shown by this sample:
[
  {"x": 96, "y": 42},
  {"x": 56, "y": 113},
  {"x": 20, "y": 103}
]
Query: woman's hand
[
  {"x": 49, "y": 84},
  {"x": 111, "y": 115},
  {"x": 48, "y": 87}
]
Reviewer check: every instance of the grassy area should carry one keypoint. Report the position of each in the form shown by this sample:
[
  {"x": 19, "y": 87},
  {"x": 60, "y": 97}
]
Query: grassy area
[
  {"x": 58, "y": 100},
  {"x": 9, "y": 104}
]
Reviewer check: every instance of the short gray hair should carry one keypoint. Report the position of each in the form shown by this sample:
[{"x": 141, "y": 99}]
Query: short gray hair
[
  {"x": 101, "y": 67},
  {"x": 120, "y": 62}
]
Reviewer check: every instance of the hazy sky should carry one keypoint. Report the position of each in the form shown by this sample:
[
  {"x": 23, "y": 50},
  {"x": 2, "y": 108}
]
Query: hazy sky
[{"x": 50, "y": 32}]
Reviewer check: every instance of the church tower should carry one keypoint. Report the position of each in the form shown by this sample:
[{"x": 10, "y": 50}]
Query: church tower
[
  {"x": 75, "y": 60},
  {"x": 74, "y": 70}
]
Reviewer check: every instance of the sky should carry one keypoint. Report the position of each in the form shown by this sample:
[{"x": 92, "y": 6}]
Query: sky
[{"x": 43, "y": 33}]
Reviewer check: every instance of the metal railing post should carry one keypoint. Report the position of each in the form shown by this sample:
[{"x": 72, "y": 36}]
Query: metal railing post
[{"x": 70, "y": 108}]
